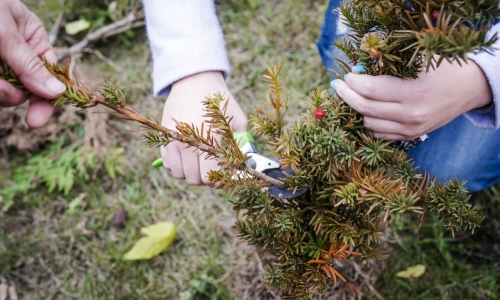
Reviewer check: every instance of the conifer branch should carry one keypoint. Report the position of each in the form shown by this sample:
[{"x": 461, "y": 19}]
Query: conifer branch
[{"x": 112, "y": 97}]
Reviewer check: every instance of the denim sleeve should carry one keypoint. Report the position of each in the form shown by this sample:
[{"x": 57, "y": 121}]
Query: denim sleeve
[
  {"x": 185, "y": 38},
  {"x": 490, "y": 64}
]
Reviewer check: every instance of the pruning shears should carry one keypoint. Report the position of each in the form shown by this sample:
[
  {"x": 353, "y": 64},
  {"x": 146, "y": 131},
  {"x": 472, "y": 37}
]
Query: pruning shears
[
  {"x": 262, "y": 164},
  {"x": 408, "y": 144}
]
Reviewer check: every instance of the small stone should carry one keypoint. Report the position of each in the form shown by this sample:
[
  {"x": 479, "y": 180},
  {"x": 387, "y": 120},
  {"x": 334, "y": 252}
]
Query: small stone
[{"x": 119, "y": 218}]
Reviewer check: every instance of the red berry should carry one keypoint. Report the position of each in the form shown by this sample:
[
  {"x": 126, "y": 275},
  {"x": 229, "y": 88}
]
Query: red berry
[
  {"x": 434, "y": 16},
  {"x": 374, "y": 54},
  {"x": 319, "y": 113}
]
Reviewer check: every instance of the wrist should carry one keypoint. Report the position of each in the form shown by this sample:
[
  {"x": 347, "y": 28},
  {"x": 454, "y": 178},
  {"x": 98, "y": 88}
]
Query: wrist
[{"x": 482, "y": 98}]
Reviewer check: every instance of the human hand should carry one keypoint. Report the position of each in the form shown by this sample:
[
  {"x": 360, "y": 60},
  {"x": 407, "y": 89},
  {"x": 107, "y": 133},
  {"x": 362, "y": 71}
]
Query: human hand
[
  {"x": 404, "y": 109},
  {"x": 184, "y": 104},
  {"x": 22, "y": 40}
]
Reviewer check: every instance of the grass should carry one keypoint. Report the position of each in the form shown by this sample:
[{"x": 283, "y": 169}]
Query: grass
[
  {"x": 48, "y": 252},
  {"x": 464, "y": 267}
]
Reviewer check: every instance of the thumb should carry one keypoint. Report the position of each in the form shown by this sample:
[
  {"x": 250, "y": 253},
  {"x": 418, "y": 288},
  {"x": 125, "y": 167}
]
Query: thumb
[
  {"x": 239, "y": 122},
  {"x": 28, "y": 66}
]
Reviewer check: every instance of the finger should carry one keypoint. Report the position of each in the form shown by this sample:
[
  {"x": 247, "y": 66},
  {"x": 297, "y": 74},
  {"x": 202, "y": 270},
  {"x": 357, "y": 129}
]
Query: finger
[
  {"x": 239, "y": 121},
  {"x": 36, "y": 37},
  {"x": 175, "y": 159},
  {"x": 9, "y": 95},
  {"x": 367, "y": 107},
  {"x": 191, "y": 165},
  {"x": 207, "y": 165},
  {"x": 380, "y": 88},
  {"x": 389, "y": 127},
  {"x": 25, "y": 62},
  {"x": 39, "y": 112},
  {"x": 164, "y": 157}
]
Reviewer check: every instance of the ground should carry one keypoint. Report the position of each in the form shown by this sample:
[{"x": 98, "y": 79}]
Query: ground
[{"x": 57, "y": 245}]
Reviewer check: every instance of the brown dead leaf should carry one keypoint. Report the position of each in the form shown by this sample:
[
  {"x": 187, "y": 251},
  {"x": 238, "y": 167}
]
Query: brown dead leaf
[{"x": 119, "y": 218}]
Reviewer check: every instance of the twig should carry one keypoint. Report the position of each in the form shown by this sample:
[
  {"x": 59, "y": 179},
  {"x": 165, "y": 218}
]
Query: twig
[
  {"x": 54, "y": 31},
  {"x": 104, "y": 58},
  {"x": 265, "y": 178},
  {"x": 71, "y": 73},
  {"x": 81, "y": 96},
  {"x": 133, "y": 20}
]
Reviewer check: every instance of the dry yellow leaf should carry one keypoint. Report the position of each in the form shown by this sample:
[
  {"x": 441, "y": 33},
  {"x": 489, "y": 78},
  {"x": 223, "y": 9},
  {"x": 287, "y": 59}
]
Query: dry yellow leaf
[
  {"x": 158, "y": 238},
  {"x": 413, "y": 271},
  {"x": 74, "y": 27}
]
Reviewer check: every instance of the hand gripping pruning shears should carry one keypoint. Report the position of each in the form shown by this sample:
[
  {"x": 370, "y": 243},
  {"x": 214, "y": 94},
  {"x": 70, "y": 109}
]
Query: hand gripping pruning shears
[{"x": 262, "y": 164}]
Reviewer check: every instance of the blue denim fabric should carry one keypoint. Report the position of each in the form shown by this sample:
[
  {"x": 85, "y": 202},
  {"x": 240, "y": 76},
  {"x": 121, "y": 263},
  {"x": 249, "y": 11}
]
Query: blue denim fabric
[
  {"x": 329, "y": 34},
  {"x": 461, "y": 150},
  {"x": 456, "y": 150}
]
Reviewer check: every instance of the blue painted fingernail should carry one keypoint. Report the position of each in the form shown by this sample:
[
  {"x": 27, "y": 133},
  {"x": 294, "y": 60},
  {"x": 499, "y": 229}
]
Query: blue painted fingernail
[
  {"x": 359, "y": 69},
  {"x": 334, "y": 84},
  {"x": 346, "y": 76}
]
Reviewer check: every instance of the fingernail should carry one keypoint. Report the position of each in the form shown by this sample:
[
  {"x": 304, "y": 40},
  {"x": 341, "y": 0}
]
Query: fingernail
[
  {"x": 191, "y": 181},
  {"x": 55, "y": 86},
  {"x": 334, "y": 84},
  {"x": 346, "y": 76},
  {"x": 359, "y": 69}
]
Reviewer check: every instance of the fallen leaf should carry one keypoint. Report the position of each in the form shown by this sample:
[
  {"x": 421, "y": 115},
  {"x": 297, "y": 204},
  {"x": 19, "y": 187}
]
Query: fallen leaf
[
  {"x": 120, "y": 217},
  {"x": 413, "y": 271},
  {"x": 73, "y": 205},
  {"x": 158, "y": 238},
  {"x": 74, "y": 27}
]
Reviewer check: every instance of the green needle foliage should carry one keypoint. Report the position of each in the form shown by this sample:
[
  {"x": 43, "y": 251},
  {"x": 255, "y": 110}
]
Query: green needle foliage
[
  {"x": 355, "y": 183},
  {"x": 400, "y": 37}
]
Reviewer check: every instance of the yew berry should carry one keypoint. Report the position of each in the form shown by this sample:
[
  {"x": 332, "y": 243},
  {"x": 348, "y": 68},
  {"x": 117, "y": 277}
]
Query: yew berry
[
  {"x": 374, "y": 54},
  {"x": 434, "y": 16},
  {"x": 319, "y": 113}
]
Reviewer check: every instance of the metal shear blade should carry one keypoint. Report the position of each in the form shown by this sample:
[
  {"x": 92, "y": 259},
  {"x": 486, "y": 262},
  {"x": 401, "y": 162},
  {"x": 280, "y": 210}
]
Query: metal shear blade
[{"x": 283, "y": 193}]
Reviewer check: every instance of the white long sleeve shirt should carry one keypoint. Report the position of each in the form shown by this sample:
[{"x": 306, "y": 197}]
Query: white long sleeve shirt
[{"x": 185, "y": 38}]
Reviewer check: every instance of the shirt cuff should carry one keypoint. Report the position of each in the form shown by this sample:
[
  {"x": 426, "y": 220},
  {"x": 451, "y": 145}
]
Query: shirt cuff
[{"x": 488, "y": 117}]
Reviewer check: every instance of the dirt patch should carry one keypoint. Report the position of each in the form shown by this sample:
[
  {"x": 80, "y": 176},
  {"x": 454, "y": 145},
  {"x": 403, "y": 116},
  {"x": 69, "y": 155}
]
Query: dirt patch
[{"x": 15, "y": 133}]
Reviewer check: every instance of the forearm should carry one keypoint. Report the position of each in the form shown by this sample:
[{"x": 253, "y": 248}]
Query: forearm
[{"x": 185, "y": 38}]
